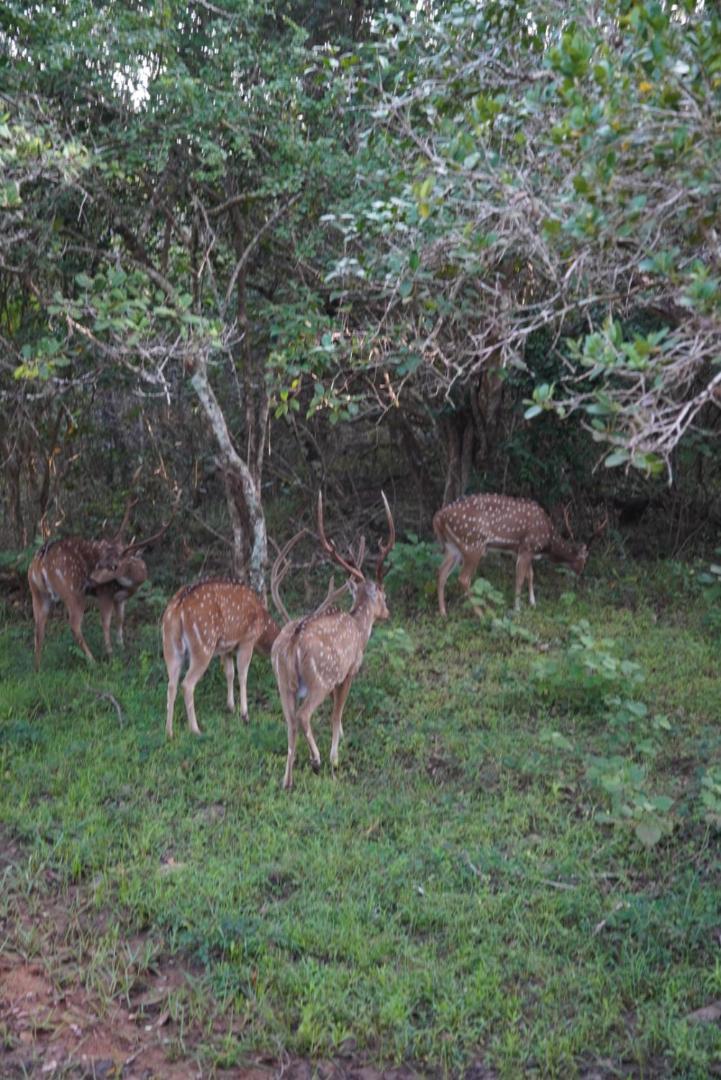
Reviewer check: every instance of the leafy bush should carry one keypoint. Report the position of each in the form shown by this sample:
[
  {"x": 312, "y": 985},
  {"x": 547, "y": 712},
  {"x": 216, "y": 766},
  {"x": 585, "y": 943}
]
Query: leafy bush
[
  {"x": 589, "y": 675},
  {"x": 414, "y": 567},
  {"x": 586, "y": 673},
  {"x": 632, "y": 805}
]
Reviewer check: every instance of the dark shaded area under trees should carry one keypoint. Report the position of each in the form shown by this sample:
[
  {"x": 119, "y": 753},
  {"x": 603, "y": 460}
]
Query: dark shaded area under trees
[{"x": 345, "y": 246}]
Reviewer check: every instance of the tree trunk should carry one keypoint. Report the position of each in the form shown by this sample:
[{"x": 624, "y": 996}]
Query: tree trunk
[{"x": 250, "y": 541}]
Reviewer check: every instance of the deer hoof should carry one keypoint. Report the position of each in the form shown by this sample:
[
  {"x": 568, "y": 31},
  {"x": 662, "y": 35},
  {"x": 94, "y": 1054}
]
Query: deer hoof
[
  {"x": 315, "y": 765},
  {"x": 245, "y": 718}
]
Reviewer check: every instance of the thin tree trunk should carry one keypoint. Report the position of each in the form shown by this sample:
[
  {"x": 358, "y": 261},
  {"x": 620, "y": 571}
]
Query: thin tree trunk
[{"x": 244, "y": 502}]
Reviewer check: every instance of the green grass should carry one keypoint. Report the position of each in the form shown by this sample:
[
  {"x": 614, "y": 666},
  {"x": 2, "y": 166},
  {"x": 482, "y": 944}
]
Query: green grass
[{"x": 452, "y": 894}]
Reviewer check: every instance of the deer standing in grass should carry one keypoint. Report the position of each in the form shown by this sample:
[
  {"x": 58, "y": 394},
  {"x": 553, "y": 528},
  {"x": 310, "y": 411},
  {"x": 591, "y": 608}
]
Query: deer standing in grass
[
  {"x": 72, "y": 569},
  {"x": 321, "y": 653},
  {"x": 468, "y": 527},
  {"x": 218, "y": 617}
]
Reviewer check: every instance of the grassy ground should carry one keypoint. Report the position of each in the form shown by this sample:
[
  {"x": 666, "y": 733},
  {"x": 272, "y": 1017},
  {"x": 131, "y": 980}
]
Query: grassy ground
[{"x": 454, "y": 894}]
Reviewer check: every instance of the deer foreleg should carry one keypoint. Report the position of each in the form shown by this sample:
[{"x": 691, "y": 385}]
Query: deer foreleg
[
  {"x": 340, "y": 695},
  {"x": 242, "y": 658},
  {"x": 524, "y": 570},
  {"x": 105, "y": 603},
  {"x": 119, "y": 607}
]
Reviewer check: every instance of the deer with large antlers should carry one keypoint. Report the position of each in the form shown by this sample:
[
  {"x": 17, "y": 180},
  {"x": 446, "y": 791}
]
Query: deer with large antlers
[
  {"x": 73, "y": 569},
  {"x": 320, "y": 654},
  {"x": 470, "y": 526},
  {"x": 218, "y": 617}
]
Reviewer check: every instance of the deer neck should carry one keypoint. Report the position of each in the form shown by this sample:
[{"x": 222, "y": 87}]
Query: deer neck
[
  {"x": 362, "y": 612},
  {"x": 89, "y": 551},
  {"x": 560, "y": 550}
]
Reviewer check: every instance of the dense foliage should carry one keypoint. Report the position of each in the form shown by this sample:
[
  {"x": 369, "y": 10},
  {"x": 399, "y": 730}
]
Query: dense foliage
[{"x": 435, "y": 219}]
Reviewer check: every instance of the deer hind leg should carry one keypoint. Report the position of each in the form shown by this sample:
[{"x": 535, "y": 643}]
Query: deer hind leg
[
  {"x": 340, "y": 695},
  {"x": 75, "y": 616},
  {"x": 198, "y": 666},
  {"x": 452, "y": 559},
  {"x": 287, "y": 701},
  {"x": 470, "y": 565},
  {"x": 41, "y": 609},
  {"x": 173, "y": 663},
  {"x": 242, "y": 658},
  {"x": 303, "y": 715},
  {"x": 226, "y": 662},
  {"x": 173, "y": 653},
  {"x": 524, "y": 569}
]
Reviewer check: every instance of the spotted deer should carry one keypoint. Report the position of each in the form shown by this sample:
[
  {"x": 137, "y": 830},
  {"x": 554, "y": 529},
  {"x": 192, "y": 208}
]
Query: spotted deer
[
  {"x": 217, "y": 617},
  {"x": 73, "y": 569},
  {"x": 320, "y": 654},
  {"x": 470, "y": 526}
]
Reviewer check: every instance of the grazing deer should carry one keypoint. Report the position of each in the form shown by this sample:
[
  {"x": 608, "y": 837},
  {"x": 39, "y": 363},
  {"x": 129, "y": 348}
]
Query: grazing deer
[
  {"x": 468, "y": 527},
  {"x": 72, "y": 569},
  {"x": 321, "y": 653},
  {"x": 217, "y": 617}
]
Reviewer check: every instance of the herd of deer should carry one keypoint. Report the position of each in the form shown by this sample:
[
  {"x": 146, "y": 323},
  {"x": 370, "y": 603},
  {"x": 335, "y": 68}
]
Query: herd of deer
[{"x": 314, "y": 656}]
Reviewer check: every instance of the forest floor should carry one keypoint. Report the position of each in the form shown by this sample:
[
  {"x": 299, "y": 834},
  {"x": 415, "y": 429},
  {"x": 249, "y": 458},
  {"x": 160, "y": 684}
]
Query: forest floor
[{"x": 516, "y": 870}]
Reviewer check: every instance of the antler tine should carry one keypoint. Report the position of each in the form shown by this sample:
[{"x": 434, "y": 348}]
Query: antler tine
[
  {"x": 360, "y": 554},
  {"x": 138, "y": 544},
  {"x": 129, "y": 506},
  {"x": 132, "y": 502},
  {"x": 384, "y": 549},
  {"x": 568, "y": 521},
  {"x": 330, "y": 548},
  {"x": 280, "y": 569},
  {"x": 331, "y": 595},
  {"x": 600, "y": 529}
]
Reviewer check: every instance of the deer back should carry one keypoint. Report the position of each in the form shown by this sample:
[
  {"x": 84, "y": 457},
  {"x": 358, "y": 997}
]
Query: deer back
[
  {"x": 475, "y": 521},
  {"x": 61, "y": 568},
  {"x": 219, "y": 615}
]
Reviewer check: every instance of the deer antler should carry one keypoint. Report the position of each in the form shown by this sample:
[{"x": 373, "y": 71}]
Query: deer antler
[
  {"x": 279, "y": 571},
  {"x": 328, "y": 546},
  {"x": 384, "y": 549},
  {"x": 129, "y": 506},
  {"x": 567, "y": 521},
  {"x": 138, "y": 544}
]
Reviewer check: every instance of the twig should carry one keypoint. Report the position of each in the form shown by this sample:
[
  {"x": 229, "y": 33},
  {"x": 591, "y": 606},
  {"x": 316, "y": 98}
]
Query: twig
[
  {"x": 109, "y": 697},
  {"x": 599, "y": 926}
]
